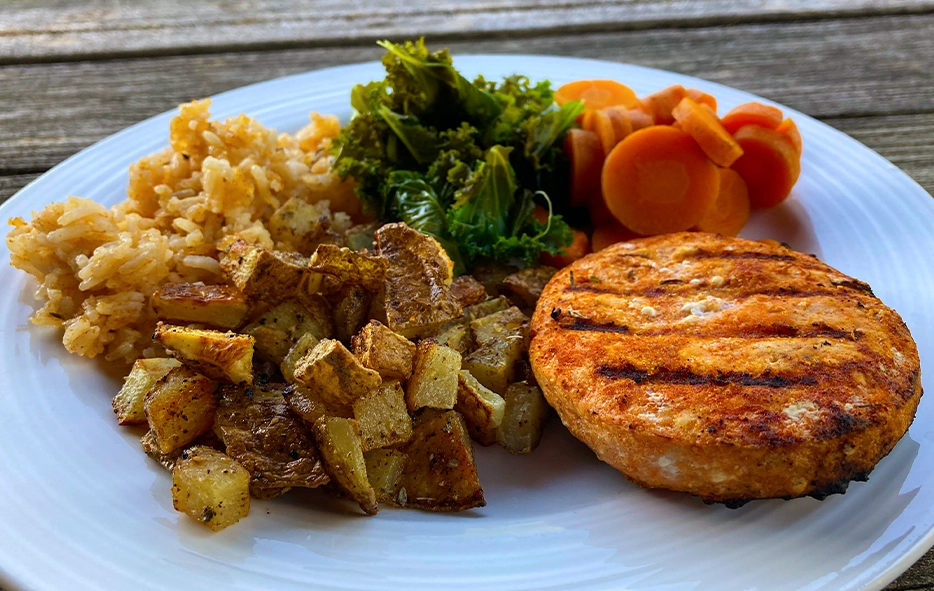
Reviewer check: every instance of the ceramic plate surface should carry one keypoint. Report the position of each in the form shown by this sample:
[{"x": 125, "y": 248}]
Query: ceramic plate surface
[{"x": 81, "y": 507}]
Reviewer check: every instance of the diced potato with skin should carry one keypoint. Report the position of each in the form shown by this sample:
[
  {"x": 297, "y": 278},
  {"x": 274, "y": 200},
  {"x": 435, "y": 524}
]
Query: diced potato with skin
[
  {"x": 280, "y": 327},
  {"x": 481, "y": 407},
  {"x": 416, "y": 297},
  {"x": 299, "y": 225},
  {"x": 506, "y": 324},
  {"x": 440, "y": 473},
  {"x": 434, "y": 377},
  {"x": 214, "y": 305},
  {"x": 210, "y": 487},
  {"x": 351, "y": 267},
  {"x": 494, "y": 364},
  {"x": 179, "y": 408},
  {"x": 335, "y": 375},
  {"x": 382, "y": 417},
  {"x": 167, "y": 460},
  {"x": 456, "y": 337},
  {"x": 308, "y": 405},
  {"x": 351, "y": 313},
  {"x": 128, "y": 403},
  {"x": 486, "y": 308},
  {"x": 524, "y": 419},
  {"x": 360, "y": 237},
  {"x": 342, "y": 453},
  {"x": 527, "y": 285},
  {"x": 384, "y": 351},
  {"x": 263, "y": 274},
  {"x": 467, "y": 291},
  {"x": 223, "y": 356},
  {"x": 492, "y": 276},
  {"x": 305, "y": 343},
  {"x": 384, "y": 470}
]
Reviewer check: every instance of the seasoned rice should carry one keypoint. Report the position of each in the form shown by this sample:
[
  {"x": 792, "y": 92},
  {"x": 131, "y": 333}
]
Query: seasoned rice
[{"x": 218, "y": 181}]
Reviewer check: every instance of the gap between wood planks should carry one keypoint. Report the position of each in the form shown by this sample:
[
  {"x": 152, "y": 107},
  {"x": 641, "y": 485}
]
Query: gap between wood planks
[{"x": 259, "y": 33}]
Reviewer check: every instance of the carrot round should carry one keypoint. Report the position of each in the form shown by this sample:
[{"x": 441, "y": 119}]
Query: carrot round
[
  {"x": 660, "y": 104},
  {"x": 608, "y": 234},
  {"x": 769, "y": 164},
  {"x": 585, "y": 152},
  {"x": 730, "y": 210},
  {"x": 579, "y": 248},
  {"x": 707, "y": 131},
  {"x": 658, "y": 180},
  {"x": 790, "y": 130},
  {"x": 640, "y": 119},
  {"x": 597, "y": 94},
  {"x": 702, "y": 98},
  {"x": 752, "y": 114}
]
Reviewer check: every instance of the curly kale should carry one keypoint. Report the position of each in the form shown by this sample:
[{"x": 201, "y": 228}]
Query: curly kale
[{"x": 461, "y": 161}]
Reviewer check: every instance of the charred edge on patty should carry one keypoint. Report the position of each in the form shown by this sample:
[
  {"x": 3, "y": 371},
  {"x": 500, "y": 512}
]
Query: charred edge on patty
[
  {"x": 686, "y": 377},
  {"x": 835, "y": 487},
  {"x": 759, "y": 256}
]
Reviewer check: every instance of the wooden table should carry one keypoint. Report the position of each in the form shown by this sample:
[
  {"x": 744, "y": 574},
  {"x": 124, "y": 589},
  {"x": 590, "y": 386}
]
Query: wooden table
[{"x": 72, "y": 73}]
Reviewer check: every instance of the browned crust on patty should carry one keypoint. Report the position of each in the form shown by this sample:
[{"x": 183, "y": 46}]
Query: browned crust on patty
[{"x": 726, "y": 368}]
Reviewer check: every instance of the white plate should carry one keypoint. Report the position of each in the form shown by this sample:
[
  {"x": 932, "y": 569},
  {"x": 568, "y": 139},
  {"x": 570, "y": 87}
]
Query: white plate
[{"x": 82, "y": 507}]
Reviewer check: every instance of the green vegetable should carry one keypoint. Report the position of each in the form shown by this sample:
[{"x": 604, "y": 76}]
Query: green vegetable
[{"x": 458, "y": 160}]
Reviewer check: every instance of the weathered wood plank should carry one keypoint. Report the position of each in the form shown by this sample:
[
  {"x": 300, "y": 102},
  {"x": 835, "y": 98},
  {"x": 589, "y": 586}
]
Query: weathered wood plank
[
  {"x": 9, "y": 185},
  {"x": 920, "y": 577},
  {"x": 53, "y": 29},
  {"x": 828, "y": 68}
]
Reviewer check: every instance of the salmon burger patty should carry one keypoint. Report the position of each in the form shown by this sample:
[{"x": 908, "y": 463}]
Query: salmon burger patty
[{"x": 726, "y": 368}]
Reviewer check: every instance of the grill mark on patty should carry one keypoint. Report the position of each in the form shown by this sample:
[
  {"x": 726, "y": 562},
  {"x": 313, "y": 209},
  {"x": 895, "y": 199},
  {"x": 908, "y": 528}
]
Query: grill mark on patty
[
  {"x": 686, "y": 377},
  {"x": 743, "y": 255},
  {"x": 568, "y": 321},
  {"x": 674, "y": 291}
]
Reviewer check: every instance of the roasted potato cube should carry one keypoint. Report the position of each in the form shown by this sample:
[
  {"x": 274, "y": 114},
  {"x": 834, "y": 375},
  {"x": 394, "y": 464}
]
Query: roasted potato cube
[
  {"x": 360, "y": 237},
  {"x": 308, "y": 405},
  {"x": 506, "y": 324},
  {"x": 167, "y": 460},
  {"x": 179, "y": 408},
  {"x": 434, "y": 377},
  {"x": 481, "y": 408},
  {"x": 301, "y": 348},
  {"x": 486, "y": 308},
  {"x": 343, "y": 458},
  {"x": 440, "y": 473},
  {"x": 416, "y": 297},
  {"x": 263, "y": 274},
  {"x": 383, "y": 470},
  {"x": 215, "y": 305},
  {"x": 128, "y": 403},
  {"x": 335, "y": 375},
  {"x": 280, "y": 327},
  {"x": 299, "y": 225},
  {"x": 526, "y": 285},
  {"x": 382, "y": 417},
  {"x": 210, "y": 487},
  {"x": 524, "y": 418},
  {"x": 355, "y": 268},
  {"x": 223, "y": 356},
  {"x": 456, "y": 337},
  {"x": 259, "y": 431},
  {"x": 384, "y": 351},
  {"x": 351, "y": 313},
  {"x": 494, "y": 364},
  {"x": 467, "y": 291}
]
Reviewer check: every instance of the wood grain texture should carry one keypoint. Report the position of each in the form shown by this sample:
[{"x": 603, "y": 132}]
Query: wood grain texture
[
  {"x": 826, "y": 69},
  {"x": 56, "y": 29}
]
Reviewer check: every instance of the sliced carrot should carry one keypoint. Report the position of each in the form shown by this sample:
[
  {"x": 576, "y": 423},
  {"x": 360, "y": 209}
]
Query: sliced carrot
[
  {"x": 730, "y": 210},
  {"x": 769, "y": 164},
  {"x": 707, "y": 131},
  {"x": 752, "y": 114},
  {"x": 578, "y": 249},
  {"x": 609, "y": 234},
  {"x": 702, "y": 98},
  {"x": 599, "y": 213},
  {"x": 610, "y": 127},
  {"x": 640, "y": 119},
  {"x": 658, "y": 180},
  {"x": 540, "y": 215},
  {"x": 790, "y": 130},
  {"x": 597, "y": 94},
  {"x": 585, "y": 152},
  {"x": 621, "y": 121},
  {"x": 660, "y": 104}
]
